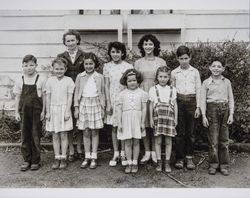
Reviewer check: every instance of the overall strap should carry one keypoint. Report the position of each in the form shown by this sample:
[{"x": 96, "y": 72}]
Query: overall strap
[
  {"x": 171, "y": 94},
  {"x": 157, "y": 94},
  {"x": 37, "y": 78}
]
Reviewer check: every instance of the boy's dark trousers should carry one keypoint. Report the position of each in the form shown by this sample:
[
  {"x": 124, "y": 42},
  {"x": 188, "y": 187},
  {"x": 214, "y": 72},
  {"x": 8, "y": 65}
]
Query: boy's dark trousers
[
  {"x": 186, "y": 126},
  {"x": 30, "y": 107},
  {"x": 218, "y": 135}
]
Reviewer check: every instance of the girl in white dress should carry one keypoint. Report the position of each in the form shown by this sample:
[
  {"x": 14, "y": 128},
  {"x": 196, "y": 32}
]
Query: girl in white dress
[
  {"x": 131, "y": 108},
  {"x": 59, "y": 91},
  {"x": 89, "y": 103},
  {"x": 149, "y": 47},
  {"x": 112, "y": 72}
]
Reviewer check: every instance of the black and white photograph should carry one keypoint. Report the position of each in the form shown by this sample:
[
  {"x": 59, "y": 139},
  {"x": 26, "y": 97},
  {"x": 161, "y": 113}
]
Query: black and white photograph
[{"x": 125, "y": 97}]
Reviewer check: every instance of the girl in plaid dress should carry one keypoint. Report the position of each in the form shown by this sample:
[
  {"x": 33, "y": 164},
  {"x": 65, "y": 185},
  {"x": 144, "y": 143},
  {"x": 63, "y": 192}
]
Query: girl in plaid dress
[
  {"x": 89, "y": 103},
  {"x": 163, "y": 114}
]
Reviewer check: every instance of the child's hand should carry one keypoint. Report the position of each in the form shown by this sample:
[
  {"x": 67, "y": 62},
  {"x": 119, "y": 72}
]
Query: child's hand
[
  {"x": 47, "y": 116},
  {"x": 67, "y": 116},
  {"x": 109, "y": 109},
  {"x": 197, "y": 113},
  {"x": 230, "y": 119},
  {"x": 76, "y": 113},
  {"x": 18, "y": 117},
  {"x": 42, "y": 116},
  {"x": 205, "y": 121}
]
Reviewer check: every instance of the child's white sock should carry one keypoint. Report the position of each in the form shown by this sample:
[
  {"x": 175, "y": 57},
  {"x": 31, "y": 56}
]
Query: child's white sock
[
  {"x": 147, "y": 154},
  {"x": 122, "y": 153},
  {"x": 135, "y": 162},
  {"x": 63, "y": 157},
  {"x": 129, "y": 162},
  {"x": 57, "y": 157},
  {"x": 153, "y": 155},
  {"x": 87, "y": 155},
  {"x": 94, "y": 155}
]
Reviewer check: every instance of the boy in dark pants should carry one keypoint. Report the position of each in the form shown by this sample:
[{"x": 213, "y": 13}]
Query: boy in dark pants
[
  {"x": 30, "y": 111},
  {"x": 187, "y": 81},
  {"x": 217, "y": 107}
]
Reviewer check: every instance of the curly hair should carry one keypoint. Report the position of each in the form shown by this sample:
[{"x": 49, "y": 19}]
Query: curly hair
[
  {"x": 149, "y": 37},
  {"x": 119, "y": 47},
  {"x": 181, "y": 50},
  {"x": 72, "y": 32},
  {"x": 93, "y": 57},
  {"x": 165, "y": 69},
  {"x": 131, "y": 72},
  {"x": 60, "y": 61}
]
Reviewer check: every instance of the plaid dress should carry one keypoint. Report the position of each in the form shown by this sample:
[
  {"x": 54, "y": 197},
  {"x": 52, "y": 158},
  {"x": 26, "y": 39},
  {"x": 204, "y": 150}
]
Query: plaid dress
[{"x": 163, "y": 116}]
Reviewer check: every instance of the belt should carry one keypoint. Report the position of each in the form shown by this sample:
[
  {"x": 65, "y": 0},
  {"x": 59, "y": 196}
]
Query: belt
[{"x": 186, "y": 95}]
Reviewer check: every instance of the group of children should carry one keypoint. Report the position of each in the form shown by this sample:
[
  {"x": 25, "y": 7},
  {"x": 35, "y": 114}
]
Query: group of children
[{"x": 146, "y": 101}]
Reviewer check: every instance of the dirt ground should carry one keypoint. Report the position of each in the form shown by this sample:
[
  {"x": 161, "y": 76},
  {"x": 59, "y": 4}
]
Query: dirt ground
[{"x": 114, "y": 177}]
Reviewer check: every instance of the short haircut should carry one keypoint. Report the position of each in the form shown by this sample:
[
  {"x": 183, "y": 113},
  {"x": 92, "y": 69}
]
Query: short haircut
[
  {"x": 181, "y": 50},
  {"x": 119, "y": 47},
  {"x": 28, "y": 58},
  {"x": 72, "y": 32},
  {"x": 162, "y": 69},
  {"x": 60, "y": 61},
  {"x": 152, "y": 38},
  {"x": 131, "y": 72},
  {"x": 219, "y": 59},
  {"x": 93, "y": 57}
]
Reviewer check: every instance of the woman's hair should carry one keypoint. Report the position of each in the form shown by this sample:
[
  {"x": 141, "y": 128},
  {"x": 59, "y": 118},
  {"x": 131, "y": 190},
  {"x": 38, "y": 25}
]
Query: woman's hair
[
  {"x": 72, "y": 32},
  {"x": 28, "y": 58},
  {"x": 165, "y": 69},
  {"x": 119, "y": 47},
  {"x": 152, "y": 38},
  {"x": 60, "y": 61},
  {"x": 131, "y": 72},
  {"x": 93, "y": 57},
  {"x": 181, "y": 50}
]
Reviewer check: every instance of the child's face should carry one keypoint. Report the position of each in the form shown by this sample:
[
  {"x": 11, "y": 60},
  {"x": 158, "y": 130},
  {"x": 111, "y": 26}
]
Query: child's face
[
  {"x": 89, "y": 65},
  {"x": 132, "y": 82},
  {"x": 148, "y": 47},
  {"x": 163, "y": 78},
  {"x": 184, "y": 60},
  {"x": 71, "y": 42},
  {"x": 116, "y": 55},
  {"x": 216, "y": 68},
  {"x": 29, "y": 68},
  {"x": 59, "y": 70}
]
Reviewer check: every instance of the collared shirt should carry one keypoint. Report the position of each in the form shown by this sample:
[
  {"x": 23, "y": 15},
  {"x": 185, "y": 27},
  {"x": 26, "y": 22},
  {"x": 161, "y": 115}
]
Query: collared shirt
[
  {"x": 216, "y": 91},
  {"x": 187, "y": 82},
  {"x": 73, "y": 55},
  {"x": 90, "y": 89}
]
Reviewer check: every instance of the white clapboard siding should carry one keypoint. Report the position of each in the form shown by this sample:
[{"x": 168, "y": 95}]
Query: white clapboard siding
[
  {"x": 32, "y": 23},
  {"x": 37, "y": 12},
  {"x": 31, "y": 37},
  {"x": 8, "y": 51},
  {"x": 217, "y": 21},
  {"x": 215, "y": 35},
  {"x": 15, "y": 64}
]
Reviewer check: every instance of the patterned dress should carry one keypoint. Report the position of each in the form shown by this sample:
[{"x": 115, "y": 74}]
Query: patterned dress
[{"x": 114, "y": 72}]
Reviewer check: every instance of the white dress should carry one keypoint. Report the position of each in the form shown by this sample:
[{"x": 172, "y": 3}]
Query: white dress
[
  {"x": 131, "y": 102},
  {"x": 59, "y": 90},
  {"x": 114, "y": 72}
]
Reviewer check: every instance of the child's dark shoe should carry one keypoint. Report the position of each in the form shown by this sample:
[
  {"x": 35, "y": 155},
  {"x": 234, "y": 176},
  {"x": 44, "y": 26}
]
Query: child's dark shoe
[
  {"x": 93, "y": 164},
  {"x": 224, "y": 171},
  {"x": 190, "y": 164},
  {"x": 211, "y": 171},
  {"x": 134, "y": 168},
  {"x": 63, "y": 164},
  {"x": 71, "y": 158},
  {"x": 179, "y": 164},
  {"x": 128, "y": 169},
  {"x": 167, "y": 167},
  {"x": 56, "y": 164},
  {"x": 34, "y": 167},
  {"x": 25, "y": 166},
  {"x": 85, "y": 163},
  {"x": 159, "y": 166}
]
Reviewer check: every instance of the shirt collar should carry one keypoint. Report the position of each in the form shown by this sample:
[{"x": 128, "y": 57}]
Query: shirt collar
[
  {"x": 85, "y": 74},
  {"x": 210, "y": 79},
  {"x": 74, "y": 52},
  {"x": 181, "y": 70}
]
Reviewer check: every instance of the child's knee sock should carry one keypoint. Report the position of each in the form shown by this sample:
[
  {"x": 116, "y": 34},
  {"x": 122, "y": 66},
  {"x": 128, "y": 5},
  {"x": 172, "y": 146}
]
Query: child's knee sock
[
  {"x": 94, "y": 155},
  {"x": 87, "y": 155}
]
